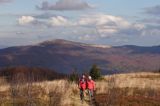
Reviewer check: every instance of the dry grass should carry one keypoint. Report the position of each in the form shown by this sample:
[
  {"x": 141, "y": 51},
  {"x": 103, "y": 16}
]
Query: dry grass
[
  {"x": 3, "y": 84},
  {"x": 65, "y": 93},
  {"x": 132, "y": 80},
  {"x": 69, "y": 92},
  {"x": 51, "y": 93},
  {"x": 133, "y": 89}
]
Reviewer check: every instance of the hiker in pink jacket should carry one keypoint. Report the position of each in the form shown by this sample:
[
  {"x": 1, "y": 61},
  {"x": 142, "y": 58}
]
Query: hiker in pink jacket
[
  {"x": 82, "y": 86},
  {"x": 90, "y": 86}
]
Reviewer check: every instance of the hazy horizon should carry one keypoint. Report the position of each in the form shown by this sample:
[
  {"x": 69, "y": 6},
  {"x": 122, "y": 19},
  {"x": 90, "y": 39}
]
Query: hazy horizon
[{"x": 94, "y": 44}]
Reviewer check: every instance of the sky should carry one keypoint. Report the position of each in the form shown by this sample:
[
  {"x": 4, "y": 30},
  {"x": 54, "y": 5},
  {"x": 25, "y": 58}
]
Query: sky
[{"x": 107, "y": 22}]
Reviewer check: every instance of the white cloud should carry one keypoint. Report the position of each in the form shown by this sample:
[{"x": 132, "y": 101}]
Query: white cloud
[
  {"x": 85, "y": 37},
  {"x": 25, "y": 20},
  {"x": 102, "y": 19},
  {"x": 59, "y": 21},
  {"x": 56, "y": 21},
  {"x": 139, "y": 26},
  {"x": 108, "y": 25}
]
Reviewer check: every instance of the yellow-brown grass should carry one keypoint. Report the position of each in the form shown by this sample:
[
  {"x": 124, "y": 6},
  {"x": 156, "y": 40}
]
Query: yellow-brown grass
[
  {"x": 141, "y": 80},
  {"x": 67, "y": 93}
]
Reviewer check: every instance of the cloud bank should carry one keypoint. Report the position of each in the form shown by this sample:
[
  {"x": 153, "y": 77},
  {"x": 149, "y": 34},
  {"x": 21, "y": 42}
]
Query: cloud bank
[{"x": 102, "y": 25}]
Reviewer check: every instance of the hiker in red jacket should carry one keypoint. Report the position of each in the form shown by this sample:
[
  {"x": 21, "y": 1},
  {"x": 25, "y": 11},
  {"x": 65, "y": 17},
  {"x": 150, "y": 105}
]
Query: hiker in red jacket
[
  {"x": 90, "y": 86},
  {"x": 82, "y": 86}
]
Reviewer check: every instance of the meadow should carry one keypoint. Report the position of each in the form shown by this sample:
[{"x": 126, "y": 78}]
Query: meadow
[{"x": 133, "y": 89}]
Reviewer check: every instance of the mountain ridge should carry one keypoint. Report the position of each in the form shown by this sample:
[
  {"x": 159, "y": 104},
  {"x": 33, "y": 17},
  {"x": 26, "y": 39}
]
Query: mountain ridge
[{"x": 64, "y": 56}]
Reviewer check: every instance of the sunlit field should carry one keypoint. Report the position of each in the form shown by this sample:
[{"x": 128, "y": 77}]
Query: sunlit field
[{"x": 140, "y": 89}]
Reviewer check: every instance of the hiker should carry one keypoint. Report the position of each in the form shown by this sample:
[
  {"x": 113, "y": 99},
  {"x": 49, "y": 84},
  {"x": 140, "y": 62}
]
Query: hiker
[
  {"x": 90, "y": 86},
  {"x": 82, "y": 86}
]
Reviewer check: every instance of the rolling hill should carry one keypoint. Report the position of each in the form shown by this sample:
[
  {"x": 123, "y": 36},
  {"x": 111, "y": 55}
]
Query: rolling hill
[{"x": 64, "y": 56}]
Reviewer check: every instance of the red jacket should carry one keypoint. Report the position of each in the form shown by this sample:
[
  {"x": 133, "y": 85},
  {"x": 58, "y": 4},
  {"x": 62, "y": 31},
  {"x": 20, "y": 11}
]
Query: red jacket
[
  {"x": 90, "y": 84},
  {"x": 82, "y": 84}
]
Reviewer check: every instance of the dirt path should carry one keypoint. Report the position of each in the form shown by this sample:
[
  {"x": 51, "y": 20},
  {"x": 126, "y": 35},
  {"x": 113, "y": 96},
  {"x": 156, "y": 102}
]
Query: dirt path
[
  {"x": 92, "y": 103},
  {"x": 86, "y": 102}
]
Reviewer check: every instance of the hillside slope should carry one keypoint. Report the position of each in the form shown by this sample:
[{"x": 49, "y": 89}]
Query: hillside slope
[{"x": 64, "y": 56}]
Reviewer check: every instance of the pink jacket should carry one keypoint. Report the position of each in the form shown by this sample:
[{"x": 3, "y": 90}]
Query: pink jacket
[
  {"x": 90, "y": 84},
  {"x": 82, "y": 84}
]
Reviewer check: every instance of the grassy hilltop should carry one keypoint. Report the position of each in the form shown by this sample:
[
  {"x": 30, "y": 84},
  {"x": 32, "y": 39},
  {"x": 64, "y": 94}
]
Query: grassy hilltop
[{"x": 134, "y": 89}]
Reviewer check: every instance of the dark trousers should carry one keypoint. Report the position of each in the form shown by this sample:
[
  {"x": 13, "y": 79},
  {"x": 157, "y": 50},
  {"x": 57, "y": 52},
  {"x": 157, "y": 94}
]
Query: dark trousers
[{"x": 82, "y": 94}]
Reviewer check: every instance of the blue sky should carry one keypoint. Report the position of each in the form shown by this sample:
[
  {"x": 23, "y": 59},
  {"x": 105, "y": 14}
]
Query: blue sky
[{"x": 111, "y": 22}]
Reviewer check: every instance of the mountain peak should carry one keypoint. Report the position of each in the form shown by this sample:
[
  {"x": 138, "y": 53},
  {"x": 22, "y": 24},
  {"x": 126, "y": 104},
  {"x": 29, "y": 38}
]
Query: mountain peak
[
  {"x": 56, "y": 41},
  {"x": 62, "y": 41}
]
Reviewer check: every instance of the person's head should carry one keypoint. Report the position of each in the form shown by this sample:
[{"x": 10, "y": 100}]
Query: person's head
[
  {"x": 89, "y": 77},
  {"x": 83, "y": 76},
  {"x": 83, "y": 80}
]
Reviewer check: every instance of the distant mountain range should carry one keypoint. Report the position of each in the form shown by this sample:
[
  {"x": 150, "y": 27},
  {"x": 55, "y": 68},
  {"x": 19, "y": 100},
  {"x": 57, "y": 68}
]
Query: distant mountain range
[
  {"x": 2, "y": 46},
  {"x": 64, "y": 56}
]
